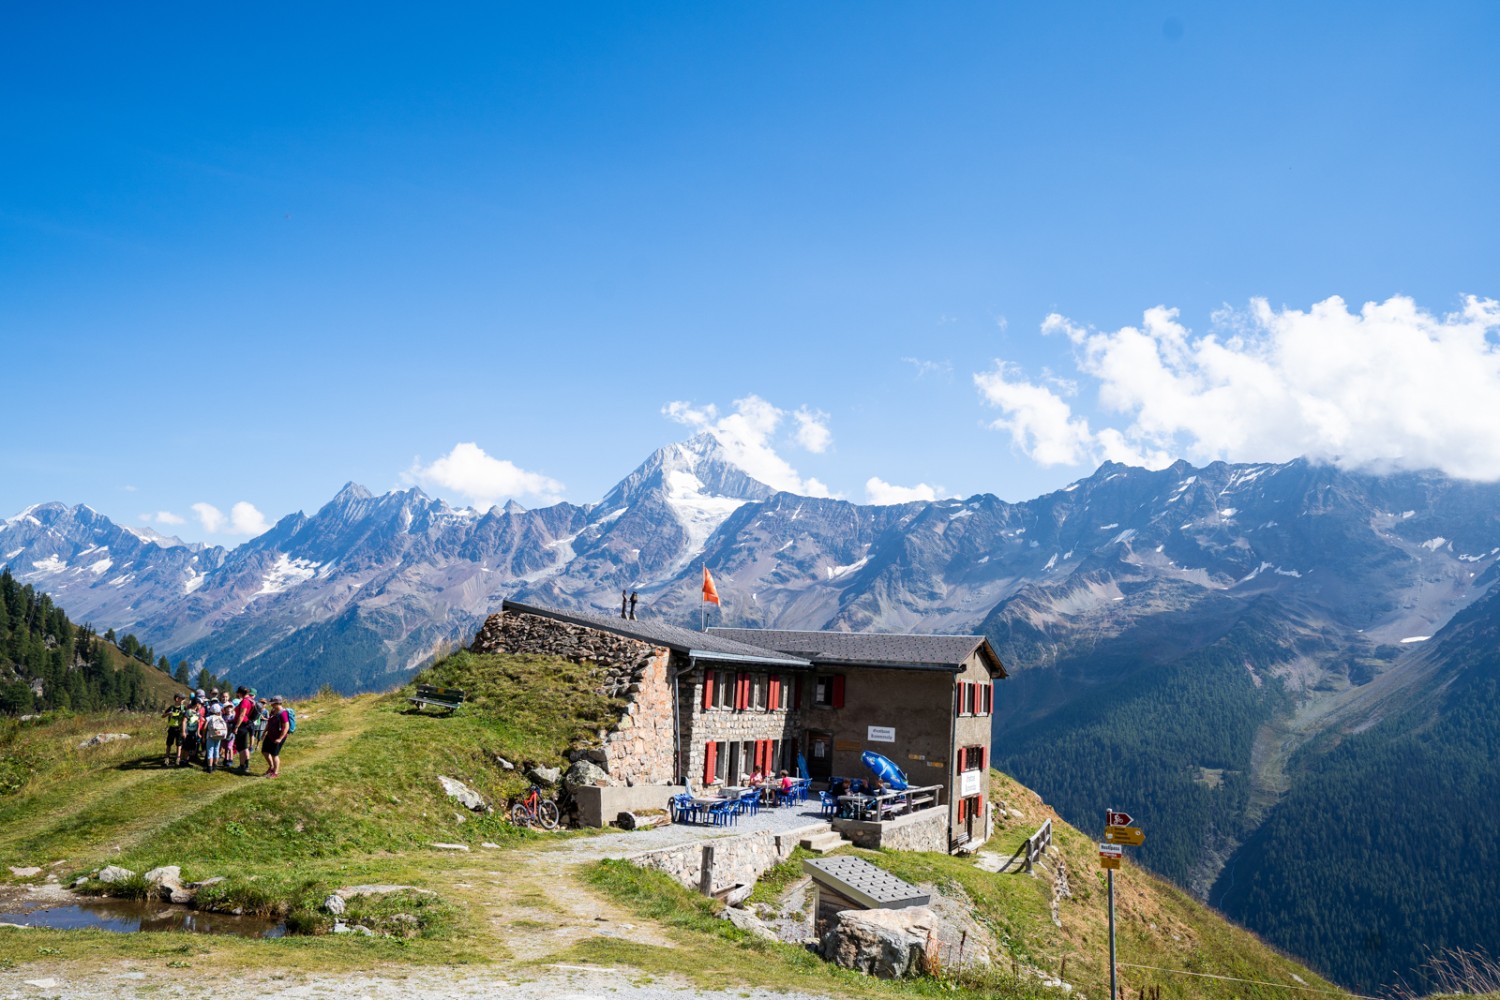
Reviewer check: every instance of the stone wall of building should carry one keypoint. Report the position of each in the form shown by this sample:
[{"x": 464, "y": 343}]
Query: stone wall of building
[
  {"x": 640, "y": 748},
  {"x": 703, "y": 725}
]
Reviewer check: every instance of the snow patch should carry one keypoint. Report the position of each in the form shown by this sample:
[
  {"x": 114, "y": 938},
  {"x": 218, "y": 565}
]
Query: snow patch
[
  {"x": 12, "y": 555},
  {"x": 51, "y": 564},
  {"x": 1106, "y": 527},
  {"x": 699, "y": 514},
  {"x": 1408, "y": 513},
  {"x": 1228, "y": 512},
  {"x": 1123, "y": 537},
  {"x": 1433, "y": 544},
  {"x": 1050, "y": 562},
  {"x": 285, "y": 574},
  {"x": 101, "y": 567},
  {"x": 966, "y": 512},
  {"x": 193, "y": 582},
  {"x": 834, "y": 572},
  {"x": 1416, "y": 638}
]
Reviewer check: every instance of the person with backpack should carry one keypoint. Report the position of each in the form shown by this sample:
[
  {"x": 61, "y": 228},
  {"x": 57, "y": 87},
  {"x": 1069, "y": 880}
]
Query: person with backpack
[
  {"x": 173, "y": 715},
  {"x": 192, "y": 731},
  {"x": 215, "y": 731},
  {"x": 245, "y": 715},
  {"x": 280, "y": 724}
]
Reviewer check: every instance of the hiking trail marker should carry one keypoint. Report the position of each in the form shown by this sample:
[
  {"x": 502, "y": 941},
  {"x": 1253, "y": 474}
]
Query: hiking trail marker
[{"x": 1118, "y": 834}]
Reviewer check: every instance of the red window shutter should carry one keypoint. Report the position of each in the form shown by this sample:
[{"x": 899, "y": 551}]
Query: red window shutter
[
  {"x": 963, "y": 759},
  {"x": 838, "y": 690},
  {"x": 983, "y": 753},
  {"x": 773, "y": 694},
  {"x": 963, "y": 806},
  {"x": 958, "y": 699},
  {"x": 797, "y": 692},
  {"x": 708, "y": 689},
  {"x": 710, "y": 762},
  {"x": 974, "y": 699}
]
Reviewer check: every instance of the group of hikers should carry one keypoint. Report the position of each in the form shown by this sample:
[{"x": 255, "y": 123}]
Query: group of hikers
[{"x": 211, "y": 728}]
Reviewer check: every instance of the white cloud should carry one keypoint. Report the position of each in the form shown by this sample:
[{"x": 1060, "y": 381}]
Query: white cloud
[
  {"x": 163, "y": 517},
  {"x": 747, "y": 436},
  {"x": 882, "y": 493},
  {"x": 211, "y": 517},
  {"x": 1388, "y": 386},
  {"x": 482, "y": 479},
  {"x": 243, "y": 519},
  {"x": 128, "y": 488},
  {"x": 812, "y": 430}
]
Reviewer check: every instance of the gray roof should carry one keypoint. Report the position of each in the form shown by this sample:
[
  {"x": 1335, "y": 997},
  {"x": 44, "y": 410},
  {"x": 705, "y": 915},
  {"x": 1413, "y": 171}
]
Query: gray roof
[
  {"x": 871, "y": 649},
  {"x": 702, "y": 645}
]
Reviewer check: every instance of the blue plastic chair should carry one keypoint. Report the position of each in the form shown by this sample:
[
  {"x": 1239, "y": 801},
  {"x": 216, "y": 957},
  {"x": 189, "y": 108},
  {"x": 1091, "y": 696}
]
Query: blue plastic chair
[
  {"x": 750, "y": 802},
  {"x": 684, "y": 810},
  {"x": 723, "y": 813},
  {"x": 829, "y": 805}
]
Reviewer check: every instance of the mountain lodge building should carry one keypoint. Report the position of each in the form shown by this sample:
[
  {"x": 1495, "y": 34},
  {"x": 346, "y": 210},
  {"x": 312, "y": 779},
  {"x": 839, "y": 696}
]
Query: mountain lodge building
[{"x": 713, "y": 707}]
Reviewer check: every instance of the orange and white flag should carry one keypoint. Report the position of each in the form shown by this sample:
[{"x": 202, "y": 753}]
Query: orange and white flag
[{"x": 710, "y": 592}]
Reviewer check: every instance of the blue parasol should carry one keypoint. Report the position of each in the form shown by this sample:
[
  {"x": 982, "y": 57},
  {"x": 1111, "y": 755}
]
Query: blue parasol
[{"x": 885, "y": 769}]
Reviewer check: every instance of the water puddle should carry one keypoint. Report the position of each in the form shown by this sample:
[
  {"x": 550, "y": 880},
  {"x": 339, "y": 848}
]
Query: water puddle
[{"x": 125, "y": 916}]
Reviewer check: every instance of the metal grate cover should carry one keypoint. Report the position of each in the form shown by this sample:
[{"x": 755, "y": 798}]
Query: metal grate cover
[{"x": 857, "y": 879}]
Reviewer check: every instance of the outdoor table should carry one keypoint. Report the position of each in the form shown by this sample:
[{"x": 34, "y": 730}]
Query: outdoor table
[{"x": 856, "y": 804}]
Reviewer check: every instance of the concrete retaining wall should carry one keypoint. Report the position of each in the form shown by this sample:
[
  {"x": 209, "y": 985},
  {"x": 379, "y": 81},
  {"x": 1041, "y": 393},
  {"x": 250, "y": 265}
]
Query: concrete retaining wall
[
  {"x": 919, "y": 831},
  {"x": 737, "y": 860},
  {"x": 598, "y": 806}
]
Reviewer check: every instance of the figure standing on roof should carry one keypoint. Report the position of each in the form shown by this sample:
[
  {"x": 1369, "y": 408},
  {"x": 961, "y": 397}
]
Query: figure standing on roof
[
  {"x": 632, "y": 605},
  {"x": 624, "y": 600}
]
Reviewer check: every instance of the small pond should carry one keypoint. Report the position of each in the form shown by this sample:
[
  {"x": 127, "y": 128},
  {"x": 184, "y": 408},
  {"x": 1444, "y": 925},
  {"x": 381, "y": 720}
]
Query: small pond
[{"x": 128, "y": 915}]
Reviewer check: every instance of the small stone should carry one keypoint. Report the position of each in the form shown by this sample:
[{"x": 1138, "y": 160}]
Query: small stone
[
  {"x": 114, "y": 873},
  {"x": 491, "y": 846},
  {"x": 545, "y": 775},
  {"x": 26, "y": 872},
  {"x": 335, "y": 904},
  {"x": 450, "y": 847},
  {"x": 42, "y": 984},
  {"x": 102, "y": 738},
  {"x": 504, "y": 764}
]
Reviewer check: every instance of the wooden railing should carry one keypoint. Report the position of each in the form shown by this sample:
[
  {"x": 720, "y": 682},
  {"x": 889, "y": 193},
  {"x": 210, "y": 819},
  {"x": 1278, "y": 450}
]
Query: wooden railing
[{"x": 1032, "y": 848}]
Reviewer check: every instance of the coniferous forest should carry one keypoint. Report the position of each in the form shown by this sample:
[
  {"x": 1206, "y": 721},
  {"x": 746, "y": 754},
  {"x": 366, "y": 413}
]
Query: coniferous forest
[{"x": 48, "y": 662}]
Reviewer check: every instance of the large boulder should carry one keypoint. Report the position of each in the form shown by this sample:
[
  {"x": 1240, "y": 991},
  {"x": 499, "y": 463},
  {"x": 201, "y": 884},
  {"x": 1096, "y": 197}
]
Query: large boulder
[
  {"x": 111, "y": 874},
  {"x": 586, "y": 772},
  {"x": 166, "y": 882},
  {"x": 462, "y": 793},
  {"x": 544, "y": 775},
  {"x": 889, "y": 944}
]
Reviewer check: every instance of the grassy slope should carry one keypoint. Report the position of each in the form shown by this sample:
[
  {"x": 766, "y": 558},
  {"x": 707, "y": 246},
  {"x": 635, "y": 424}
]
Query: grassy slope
[
  {"x": 1158, "y": 924},
  {"x": 359, "y": 802}
]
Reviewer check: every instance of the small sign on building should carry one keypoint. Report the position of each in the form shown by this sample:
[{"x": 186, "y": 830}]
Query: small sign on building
[
  {"x": 968, "y": 783},
  {"x": 882, "y": 734}
]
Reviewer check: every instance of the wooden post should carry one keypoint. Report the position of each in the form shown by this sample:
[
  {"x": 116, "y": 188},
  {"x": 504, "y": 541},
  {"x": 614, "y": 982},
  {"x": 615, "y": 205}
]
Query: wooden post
[{"x": 706, "y": 878}]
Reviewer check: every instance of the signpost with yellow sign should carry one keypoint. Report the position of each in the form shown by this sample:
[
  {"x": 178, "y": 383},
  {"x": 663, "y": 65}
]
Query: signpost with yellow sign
[{"x": 1119, "y": 833}]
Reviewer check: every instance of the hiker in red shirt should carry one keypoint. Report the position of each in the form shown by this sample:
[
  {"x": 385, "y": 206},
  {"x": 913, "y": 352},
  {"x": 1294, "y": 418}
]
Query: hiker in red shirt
[
  {"x": 244, "y": 722},
  {"x": 278, "y": 728}
]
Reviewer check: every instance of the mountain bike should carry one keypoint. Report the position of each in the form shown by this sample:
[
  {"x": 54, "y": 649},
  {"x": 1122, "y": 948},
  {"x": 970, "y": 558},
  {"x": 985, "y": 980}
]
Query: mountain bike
[{"x": 534, "y": 810}]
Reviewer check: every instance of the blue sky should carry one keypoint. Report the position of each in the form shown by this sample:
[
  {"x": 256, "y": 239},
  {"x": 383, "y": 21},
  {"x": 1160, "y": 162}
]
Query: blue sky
[{"x": 249, "y": 254}]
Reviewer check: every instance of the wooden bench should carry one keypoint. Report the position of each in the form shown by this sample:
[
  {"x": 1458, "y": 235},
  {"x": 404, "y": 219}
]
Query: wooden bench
[{"x": 447, "y": 699}]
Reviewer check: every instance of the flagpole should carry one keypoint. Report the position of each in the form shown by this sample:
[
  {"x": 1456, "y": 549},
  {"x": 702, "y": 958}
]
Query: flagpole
[{"x": 703, "y": 602}]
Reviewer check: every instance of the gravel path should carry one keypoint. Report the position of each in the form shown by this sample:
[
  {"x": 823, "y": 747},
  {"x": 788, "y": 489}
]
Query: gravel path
[{"x": 550, "y": 982}]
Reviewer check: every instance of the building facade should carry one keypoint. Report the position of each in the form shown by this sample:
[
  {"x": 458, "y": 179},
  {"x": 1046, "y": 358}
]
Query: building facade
[{"x": 731, "y": 702}]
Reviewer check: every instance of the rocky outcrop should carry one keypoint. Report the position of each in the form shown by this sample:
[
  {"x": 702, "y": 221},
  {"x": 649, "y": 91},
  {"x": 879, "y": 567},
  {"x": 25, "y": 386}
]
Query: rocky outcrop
[
  {"x": 889, "y": 944},
  {"x": 110, "y": 874}
]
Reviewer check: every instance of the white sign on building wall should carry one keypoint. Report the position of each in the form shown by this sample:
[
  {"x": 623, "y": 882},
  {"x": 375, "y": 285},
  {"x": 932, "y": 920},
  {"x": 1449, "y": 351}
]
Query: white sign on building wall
[
  {"x": 968, "y": 783},
  {"x": 882, "y": 734}
]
